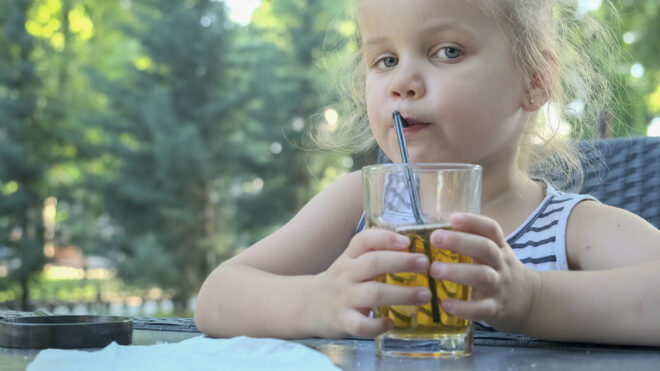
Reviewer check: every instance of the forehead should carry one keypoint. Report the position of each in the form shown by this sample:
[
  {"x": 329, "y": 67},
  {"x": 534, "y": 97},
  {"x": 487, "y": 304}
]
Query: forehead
[{"x": 387, "y": 16}]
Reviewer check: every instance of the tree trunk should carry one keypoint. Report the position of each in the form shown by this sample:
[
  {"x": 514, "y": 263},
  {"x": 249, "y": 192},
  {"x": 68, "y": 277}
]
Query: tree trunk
[
  {"x": 180, "y": 300},
  {"x": 25, "y": 297}
]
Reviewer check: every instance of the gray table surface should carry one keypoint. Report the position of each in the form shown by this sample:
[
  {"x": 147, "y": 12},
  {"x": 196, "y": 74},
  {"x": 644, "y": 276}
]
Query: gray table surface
[{"x": 353, "y": 354}]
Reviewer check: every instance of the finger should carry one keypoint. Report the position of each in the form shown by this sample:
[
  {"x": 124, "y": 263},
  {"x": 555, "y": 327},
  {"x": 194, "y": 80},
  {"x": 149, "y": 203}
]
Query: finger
[
  {"x": 376, "y": 239},
  {"x": 374, "y": 263},
  {"x": 482, "y": 310},
  {"x": 480, "y": 248},
  {"x": 479, "y": 277},
  {"x": 371, "y": 294},
  {"x": 360, "y": 325},
  {"x": 479, "y": 225}
]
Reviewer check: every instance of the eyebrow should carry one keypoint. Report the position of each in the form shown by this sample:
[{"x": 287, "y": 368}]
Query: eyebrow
[{"x": 433, "y": 27}]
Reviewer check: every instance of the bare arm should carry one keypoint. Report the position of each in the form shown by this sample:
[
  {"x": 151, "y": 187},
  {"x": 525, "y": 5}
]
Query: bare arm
[
  {"x": 265, "y": 289},
  {"x": 614, "y": 299},
  {"x": 312, "y": 277},
  {"x": 618, "y": 306},
  {"x": 615, "y": 296}
]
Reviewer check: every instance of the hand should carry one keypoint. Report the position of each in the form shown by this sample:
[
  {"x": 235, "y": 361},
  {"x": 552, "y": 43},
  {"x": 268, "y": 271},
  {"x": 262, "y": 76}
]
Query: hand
[
  {"x": 503, "y": 288},
  {"x": 346, "y": 291}
]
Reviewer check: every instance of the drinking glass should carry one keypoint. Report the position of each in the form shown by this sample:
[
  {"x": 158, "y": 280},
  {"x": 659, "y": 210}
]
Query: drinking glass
[{"x": 414, "y": 200}]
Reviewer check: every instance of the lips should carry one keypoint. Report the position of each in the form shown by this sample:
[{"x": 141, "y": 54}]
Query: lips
[{"x": 411, "y": 125}]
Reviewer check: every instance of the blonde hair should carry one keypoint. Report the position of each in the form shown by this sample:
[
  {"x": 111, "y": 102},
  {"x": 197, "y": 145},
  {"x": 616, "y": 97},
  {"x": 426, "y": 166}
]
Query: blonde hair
[{"x": 549, "y": 39}]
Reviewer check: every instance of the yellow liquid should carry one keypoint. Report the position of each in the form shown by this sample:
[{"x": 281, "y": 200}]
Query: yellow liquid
[{"x": 420, "y": 321}]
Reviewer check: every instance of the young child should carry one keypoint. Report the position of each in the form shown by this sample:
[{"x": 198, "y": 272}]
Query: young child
[{"x": 469, "y": 77}]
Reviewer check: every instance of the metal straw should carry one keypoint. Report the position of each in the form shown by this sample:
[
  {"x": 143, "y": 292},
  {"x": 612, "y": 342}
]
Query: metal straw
[
  {"x": 412, "y": 190},
  {"x": 414, "y": 203}
]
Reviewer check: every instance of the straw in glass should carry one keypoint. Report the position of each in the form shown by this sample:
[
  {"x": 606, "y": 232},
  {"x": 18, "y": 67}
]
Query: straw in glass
[{"x": 414, "y": 203}]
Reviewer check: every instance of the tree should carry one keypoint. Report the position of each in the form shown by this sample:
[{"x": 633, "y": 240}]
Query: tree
[
  {"x": 166, "y": 123},
  {"x": 632, "y": 23},
  {"x": 24, "y": 154},
  {"x": 638, "y": 29},
  {"x": 284, "y": 52}
]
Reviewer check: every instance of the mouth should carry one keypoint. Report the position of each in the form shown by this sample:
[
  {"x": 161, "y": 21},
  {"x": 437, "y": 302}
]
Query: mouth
[{"x": 410, "y": 124}]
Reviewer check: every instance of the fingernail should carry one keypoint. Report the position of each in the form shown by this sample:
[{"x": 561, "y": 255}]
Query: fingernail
[
  {"x": 436, "y": 269},
  {"x": 439, "y": 237},
  {"x": 402, "y": 241},
  {"x": 424, "y": 296},
  {"x": 422, "y": 263},
  {"x": 447, "y": 306},
  {"x": 457, "y": 220}
]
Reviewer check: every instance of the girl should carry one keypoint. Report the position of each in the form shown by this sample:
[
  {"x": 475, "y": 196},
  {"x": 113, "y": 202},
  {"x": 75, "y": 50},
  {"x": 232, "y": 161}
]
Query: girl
[{"x": 469, "y": 77}]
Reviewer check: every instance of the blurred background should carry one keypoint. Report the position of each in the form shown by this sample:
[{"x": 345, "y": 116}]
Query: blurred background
[{"x": 143, "y": 142}]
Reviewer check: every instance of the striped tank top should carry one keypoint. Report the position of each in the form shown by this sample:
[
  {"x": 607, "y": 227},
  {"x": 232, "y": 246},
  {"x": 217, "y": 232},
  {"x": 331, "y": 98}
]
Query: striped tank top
[{"x": 540, "y": 242}]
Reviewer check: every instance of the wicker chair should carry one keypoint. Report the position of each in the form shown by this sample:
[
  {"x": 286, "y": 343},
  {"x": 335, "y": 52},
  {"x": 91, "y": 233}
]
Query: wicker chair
[
  {"x": 628, "y": 176},
  {"x": 622, "y": 172}
]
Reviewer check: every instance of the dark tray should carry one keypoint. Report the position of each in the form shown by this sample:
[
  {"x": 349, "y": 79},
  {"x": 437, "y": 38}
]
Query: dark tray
[{"x": 65, "y": 332}]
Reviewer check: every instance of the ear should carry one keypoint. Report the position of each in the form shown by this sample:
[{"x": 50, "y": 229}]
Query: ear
[
  {"x": 539, "y": 83},
  {"x": 537, "y": 93}
]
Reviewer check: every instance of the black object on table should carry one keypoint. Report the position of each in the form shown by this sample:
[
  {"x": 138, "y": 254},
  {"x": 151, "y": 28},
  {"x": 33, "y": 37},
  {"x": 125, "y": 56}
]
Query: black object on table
[{"x": 65, "y": 332}]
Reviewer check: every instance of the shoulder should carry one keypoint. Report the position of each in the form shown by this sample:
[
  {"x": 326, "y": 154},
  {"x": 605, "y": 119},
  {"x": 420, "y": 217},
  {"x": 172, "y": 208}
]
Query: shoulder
[
  {"x": 315, "y": 236},
  {"x": 345, "y": 191},
  {"x": 600, "y": 236},
  {"x": 351, "y": 182},
  {"x": 339, "y": 204}
]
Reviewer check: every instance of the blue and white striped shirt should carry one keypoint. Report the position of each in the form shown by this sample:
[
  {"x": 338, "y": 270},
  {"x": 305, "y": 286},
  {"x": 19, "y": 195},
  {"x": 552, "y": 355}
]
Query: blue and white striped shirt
[{"x": 540, "y": 242}]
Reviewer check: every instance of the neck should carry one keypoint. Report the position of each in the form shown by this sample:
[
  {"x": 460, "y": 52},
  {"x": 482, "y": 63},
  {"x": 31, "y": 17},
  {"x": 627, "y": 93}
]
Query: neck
[
  {"x": 501, "y": 183},
  {"x": 509, "y": 196}
]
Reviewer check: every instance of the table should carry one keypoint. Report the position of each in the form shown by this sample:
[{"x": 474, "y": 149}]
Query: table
[{"x": 359, "y": 354}]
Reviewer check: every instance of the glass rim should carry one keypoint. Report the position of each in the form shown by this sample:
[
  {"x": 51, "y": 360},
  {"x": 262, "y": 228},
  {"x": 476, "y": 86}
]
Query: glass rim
[{"x": 445, "y": 166}]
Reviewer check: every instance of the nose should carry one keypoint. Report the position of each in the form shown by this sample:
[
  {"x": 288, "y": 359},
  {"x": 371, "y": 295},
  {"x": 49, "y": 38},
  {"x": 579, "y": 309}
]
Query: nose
[{"x": 407, "y": 83}]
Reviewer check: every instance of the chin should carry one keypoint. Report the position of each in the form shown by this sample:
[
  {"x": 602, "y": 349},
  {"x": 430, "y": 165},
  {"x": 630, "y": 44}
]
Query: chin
[
  {"x": 424, "y": 160},
  {"x": 425, "y": 157}
]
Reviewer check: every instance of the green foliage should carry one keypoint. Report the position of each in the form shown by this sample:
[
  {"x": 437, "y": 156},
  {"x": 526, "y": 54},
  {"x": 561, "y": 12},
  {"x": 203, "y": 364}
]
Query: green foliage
[
  {"x": 282, "y": 53},
  {"x": 635, "y": 26},
  {"x": 24, "y": 148},
  {"x": 166, "y": 127}
]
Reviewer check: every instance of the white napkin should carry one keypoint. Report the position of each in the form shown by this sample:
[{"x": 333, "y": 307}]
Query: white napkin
[{"x": 198, "y": 353}]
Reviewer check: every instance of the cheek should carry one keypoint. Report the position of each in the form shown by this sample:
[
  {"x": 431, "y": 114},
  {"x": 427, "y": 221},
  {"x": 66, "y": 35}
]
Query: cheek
[
  {"x": 460, "y": 107},
  {"x": 479, "y": 102},
  {"x": 374, "y": 91},
  {"x": 380, "y": 120},
  {"x": 481, "y": 118},
  {"x": 500, "y": 91},
  {"x": 375, "y": 101}
]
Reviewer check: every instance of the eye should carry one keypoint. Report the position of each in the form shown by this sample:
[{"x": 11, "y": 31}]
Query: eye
[
  {"x": 387, "y": 62},
  {"x": 450, "y": 52}
]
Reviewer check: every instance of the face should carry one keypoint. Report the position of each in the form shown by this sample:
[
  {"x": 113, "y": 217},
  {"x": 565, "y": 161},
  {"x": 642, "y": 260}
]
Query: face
[{"x": 447, "y": 67}]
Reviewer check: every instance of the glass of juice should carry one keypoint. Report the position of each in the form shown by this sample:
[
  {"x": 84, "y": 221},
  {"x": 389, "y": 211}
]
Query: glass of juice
[{"x": 414, "y": 200}]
